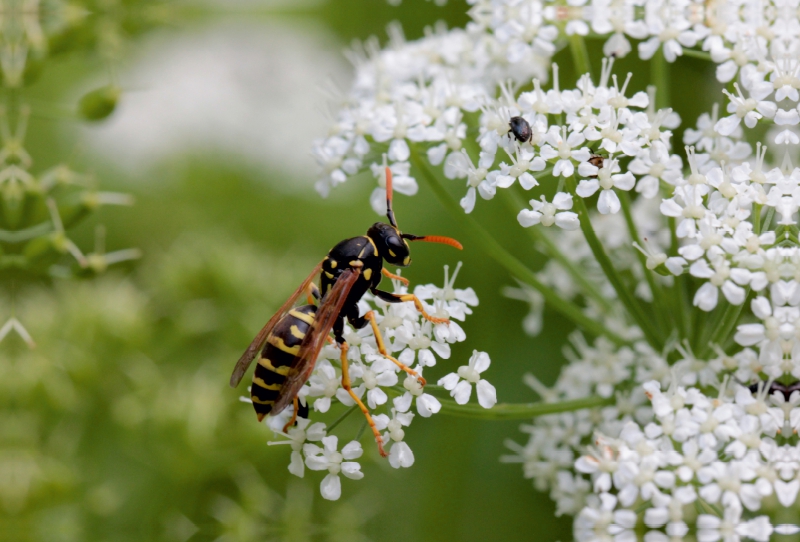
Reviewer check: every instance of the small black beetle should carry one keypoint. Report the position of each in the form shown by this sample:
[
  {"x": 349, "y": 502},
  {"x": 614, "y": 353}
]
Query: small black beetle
[{"x": 521, "y": 129}]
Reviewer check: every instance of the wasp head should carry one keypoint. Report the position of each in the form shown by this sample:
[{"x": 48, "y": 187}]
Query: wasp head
[{"x": 391, "y": 243}]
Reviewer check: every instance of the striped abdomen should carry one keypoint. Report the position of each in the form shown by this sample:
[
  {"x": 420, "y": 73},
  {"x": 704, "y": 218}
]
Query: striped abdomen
[{"x": 277, "y": 357}]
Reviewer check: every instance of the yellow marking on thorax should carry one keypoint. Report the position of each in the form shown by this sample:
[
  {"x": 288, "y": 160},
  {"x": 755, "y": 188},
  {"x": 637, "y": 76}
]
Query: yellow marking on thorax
[
  {"x": 295, "y": 331},
  {"x": 368, "y": 274},
  {"x": 307, "y": 318},
  {"x": 374, "y": 248},
  {"x": 329, "y": 275},
  {"x": 278, "y": 343},
  {"x": 355, "y": 263},
  {"x": 333, "y": 264},
  {"x": 267, "y": 364},
  {"x": 391, "y": 253},
  {"x": 260, "y": 402},
  {"x": 266, "y": 386}
]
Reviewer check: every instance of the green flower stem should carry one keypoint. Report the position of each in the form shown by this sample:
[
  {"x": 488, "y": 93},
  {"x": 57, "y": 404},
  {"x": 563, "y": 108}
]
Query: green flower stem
[
  {"x": 680, "y": 306},
  {"x": 623, "y": 292},
  {"x": 508, "y": 261},
  {"x": 757, "y": 218},
  {"x": 341, "y": 418},
  {"x": 580, "y": 55},
  {"x": 659, "y": 77},
  {"x": 520, "y": 411},
  {"x": 723, "y": 330},
  {"x": 696, "y": 54},
  {"x": 768, "y": 219},
  {"x": 588, "y": 288},
  {"x": 658, "y": 295}
]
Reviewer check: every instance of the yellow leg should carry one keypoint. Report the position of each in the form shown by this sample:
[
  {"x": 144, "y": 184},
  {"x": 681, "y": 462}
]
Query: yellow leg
[
  {"x": 312, "y": 293},
  {"x": 382, "y": 348},
  {"x": 294, "y": 416},
  {"x": 421, "y": 309},
  {"x": 346, "y": 386},
  {"x": 389, "y": 274}
]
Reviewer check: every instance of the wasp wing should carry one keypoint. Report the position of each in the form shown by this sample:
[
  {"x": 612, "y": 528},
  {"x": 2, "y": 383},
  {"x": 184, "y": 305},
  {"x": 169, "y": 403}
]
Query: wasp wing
[
  {"x": 258, "y": 343},
  {"x": 315, "y": 338}
]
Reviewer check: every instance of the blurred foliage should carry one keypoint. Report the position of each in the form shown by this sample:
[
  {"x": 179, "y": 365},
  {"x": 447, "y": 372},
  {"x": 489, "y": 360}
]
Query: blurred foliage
[{"x": 120, "y": 425}]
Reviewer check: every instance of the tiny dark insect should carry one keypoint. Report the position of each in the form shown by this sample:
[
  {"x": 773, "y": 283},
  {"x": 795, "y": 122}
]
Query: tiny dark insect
[
  {"x": 597, "y": 161},
  {"x": 521, "y": 129},
  {"x": 291, "y": 341},
  {"x": 785, "y": 389}
]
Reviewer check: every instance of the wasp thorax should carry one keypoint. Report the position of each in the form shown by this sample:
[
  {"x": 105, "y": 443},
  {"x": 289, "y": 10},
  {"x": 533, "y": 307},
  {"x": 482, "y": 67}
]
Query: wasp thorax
[{"x": 391, "y": 246}]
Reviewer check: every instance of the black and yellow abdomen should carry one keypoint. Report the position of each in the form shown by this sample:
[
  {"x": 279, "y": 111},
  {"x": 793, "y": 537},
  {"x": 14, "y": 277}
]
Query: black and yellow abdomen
[{"x": 280, "y": 351}]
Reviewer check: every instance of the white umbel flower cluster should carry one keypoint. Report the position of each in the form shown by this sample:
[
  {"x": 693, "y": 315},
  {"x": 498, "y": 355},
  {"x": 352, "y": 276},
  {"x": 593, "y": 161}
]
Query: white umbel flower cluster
[
  {"x": 685, "y": 271},
  {"x": 393, "y": 397}
]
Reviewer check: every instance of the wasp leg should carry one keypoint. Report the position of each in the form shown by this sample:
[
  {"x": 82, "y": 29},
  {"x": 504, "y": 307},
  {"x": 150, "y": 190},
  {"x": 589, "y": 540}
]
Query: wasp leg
[
  {"x": 399, "y": 298},
  {"x": 294, "y": 416},
  {"x": 312, "y": 293},
  {"x": 382, "y": 348},
  {"x": 346, "y": 386},
  {"x": 388, "y": 274}
]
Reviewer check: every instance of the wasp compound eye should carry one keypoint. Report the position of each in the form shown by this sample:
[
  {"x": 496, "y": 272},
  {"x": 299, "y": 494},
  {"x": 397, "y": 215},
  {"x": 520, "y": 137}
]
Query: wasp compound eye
[{"x": 521, "y": 129}]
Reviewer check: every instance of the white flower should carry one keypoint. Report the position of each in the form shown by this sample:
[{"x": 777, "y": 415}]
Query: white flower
[
  {"x": 427, "y": 405},
  {"x": 547, "y": 214},
  {"x": 328, "y": 458},
  {"x": 460, "y": 389},
  {"x": 608, "y": 202}
]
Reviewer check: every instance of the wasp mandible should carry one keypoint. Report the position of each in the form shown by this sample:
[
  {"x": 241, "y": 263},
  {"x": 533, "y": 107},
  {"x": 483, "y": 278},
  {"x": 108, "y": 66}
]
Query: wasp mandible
[{"x": 291, "y": 341}]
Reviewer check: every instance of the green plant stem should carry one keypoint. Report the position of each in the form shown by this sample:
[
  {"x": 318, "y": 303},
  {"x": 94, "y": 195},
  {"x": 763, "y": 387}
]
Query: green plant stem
[
  {"x": 696, "y": 54},
  {"x": 520, "y": 411},
  {"x": 508, "y": 261},
  {"x": 588, "y": 288},
  {"x": 659, "y": 77},
  {"x": 623, "y": 293},
  {"x": 728, "y": 321},
  {"x": 580, "y": 55},
  {"x": 658, "y": 301},
  {"x": 341, "y": 418},
  {"x": 680, "y": 306}
]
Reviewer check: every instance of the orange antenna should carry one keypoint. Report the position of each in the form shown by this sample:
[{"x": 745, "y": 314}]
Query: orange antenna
[
  {"x": 434, "y": 239},
  {"x": 389, "y": 211}
]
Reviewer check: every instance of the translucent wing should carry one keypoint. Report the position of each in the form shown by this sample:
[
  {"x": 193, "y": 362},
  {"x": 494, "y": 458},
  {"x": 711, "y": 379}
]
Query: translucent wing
[
  {"x": 258, "y": 343},
  {"x": 315, "y": 338}
]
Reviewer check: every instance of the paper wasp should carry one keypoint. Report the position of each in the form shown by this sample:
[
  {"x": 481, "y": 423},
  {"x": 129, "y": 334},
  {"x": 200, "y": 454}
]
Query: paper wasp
[{"x": 291, "y": 341}]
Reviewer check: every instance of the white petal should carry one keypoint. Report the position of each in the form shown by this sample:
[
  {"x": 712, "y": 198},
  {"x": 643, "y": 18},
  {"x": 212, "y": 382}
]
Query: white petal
[
  {"x": 399, "y": 151},
  {"x": 568, "y": 221},
  {"x": 428, "y": 405},
  {"x": 401, "y": 455},
  {"x": 296, "y": 465},
  {"x": 706, "y": 297},
  {"x": 331, "y": 487},
  {"x": 528, "y": 218},
  {"x": 352, "y": 470},
  {"x": 608, "y": 202},
  {"x": 587, "y": 188},
  {"x": 449, "y": 381},
  {"x": 352, "y": 450},
  {"x": 468, "y": 201},
  {"x": 403, "y": 403},
  {"x": 487, "y": 395},
  {"x": 461, "y": 392},
  {"x": 481, "y": 361}
]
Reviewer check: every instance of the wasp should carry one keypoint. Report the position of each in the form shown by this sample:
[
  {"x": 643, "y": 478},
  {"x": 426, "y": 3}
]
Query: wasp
[
  {"x": 521, "y": 129},
  {"x": 292, "y": 339}
]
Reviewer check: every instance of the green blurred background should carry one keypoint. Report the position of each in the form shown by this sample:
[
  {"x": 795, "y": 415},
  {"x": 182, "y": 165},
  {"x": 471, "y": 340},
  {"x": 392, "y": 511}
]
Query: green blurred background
[{"x": 120, "y": 425}]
